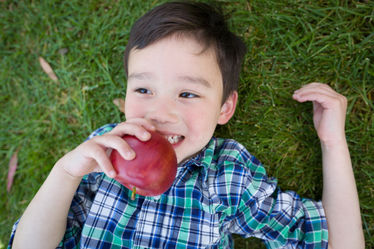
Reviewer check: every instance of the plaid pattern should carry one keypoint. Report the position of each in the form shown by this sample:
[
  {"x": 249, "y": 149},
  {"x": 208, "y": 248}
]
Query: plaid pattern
[{"x": 221, "y": 191}]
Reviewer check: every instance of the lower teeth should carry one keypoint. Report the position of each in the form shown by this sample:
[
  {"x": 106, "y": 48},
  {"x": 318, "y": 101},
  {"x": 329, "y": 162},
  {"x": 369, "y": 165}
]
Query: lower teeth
[{"x": 173, "y": 140}]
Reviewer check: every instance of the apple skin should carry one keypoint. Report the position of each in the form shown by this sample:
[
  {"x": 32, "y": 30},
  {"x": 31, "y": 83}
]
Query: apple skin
[{"x": 153, "y": 169}]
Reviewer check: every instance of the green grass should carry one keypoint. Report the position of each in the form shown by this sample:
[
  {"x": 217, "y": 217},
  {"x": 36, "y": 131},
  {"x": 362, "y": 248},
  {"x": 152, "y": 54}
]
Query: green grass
[{"x": 290, "y": 43}]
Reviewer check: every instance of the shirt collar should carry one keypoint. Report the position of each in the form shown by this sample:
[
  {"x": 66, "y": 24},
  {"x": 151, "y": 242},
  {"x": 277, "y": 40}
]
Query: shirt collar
[{"x": 203, "y": 159}]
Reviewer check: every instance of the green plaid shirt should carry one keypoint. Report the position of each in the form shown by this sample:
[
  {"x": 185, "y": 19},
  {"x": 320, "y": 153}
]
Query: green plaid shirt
[{"x": 221, "y": 191}]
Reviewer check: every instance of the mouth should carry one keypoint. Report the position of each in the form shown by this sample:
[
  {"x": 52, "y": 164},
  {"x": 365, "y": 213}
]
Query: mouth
[{"x": 174, "y": 139}]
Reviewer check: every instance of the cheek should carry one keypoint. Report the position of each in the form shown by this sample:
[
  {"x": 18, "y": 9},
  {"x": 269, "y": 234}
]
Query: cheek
[
  {"x": 133, "y": 109},
  {"x": 201, "y": 121}
]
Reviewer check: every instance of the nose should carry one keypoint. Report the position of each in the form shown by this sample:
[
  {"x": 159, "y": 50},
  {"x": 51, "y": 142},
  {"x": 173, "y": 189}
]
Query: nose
[{"x": 163, "y": 111}]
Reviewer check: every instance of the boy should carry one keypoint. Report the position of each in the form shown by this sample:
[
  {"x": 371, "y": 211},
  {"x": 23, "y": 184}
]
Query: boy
[{"x": 183, "y": 65}]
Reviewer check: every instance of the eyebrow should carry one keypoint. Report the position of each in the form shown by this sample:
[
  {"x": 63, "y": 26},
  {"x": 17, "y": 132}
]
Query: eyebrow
[
  {"x": 195, "y": 80},
  {"x": 140, "y": 76},
  {"x": 182, "y": 78}
]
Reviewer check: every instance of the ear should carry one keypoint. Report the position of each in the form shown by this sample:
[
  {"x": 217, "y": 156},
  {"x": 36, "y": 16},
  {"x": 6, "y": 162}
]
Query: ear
[{"x": 228, "y": 108}]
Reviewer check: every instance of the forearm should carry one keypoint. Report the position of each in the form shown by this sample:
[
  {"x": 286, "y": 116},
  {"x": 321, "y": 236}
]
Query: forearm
[
  {"x": 340, "y": 198},
  {"x": 44, "y": 222}
]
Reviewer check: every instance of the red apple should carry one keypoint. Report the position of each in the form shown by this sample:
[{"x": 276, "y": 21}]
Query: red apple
[{"x": 152, "y": 171}]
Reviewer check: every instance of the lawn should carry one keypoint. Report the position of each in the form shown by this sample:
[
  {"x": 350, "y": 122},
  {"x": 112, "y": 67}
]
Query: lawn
[{"x": 290, "y": 43}]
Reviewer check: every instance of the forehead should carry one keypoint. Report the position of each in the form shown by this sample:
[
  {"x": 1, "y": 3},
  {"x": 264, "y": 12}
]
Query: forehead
[{"x": 176, "y": 56}]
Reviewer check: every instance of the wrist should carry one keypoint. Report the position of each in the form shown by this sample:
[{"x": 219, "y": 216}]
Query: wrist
[
  {"x": 335, "y": 144},
  {"x": 60, "y": 170}
]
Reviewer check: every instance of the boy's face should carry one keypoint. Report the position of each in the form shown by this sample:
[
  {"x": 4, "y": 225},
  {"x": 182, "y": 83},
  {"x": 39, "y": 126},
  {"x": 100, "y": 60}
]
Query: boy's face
[{"x": 179, "y": 89}]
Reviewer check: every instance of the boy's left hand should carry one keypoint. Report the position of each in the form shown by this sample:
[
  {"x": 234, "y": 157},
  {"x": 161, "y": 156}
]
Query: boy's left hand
[{"x": 329, "y": 109}]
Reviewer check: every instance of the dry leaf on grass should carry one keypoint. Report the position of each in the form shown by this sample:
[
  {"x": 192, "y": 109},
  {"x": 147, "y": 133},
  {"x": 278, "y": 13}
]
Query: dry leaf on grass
[
  {"x": 13, "y": 163},
  {"x": 120, "y": 103},
  {"x": 63, "y": 51},
  {"x": 47, "y": 69}
]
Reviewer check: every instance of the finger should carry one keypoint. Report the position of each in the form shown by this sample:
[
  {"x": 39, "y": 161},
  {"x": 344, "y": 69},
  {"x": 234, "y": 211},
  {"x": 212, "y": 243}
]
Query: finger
[
  {"x": 316, "y": 87},
  {"x": 147, "y": 124},
  {"x": 310, "y": 95},
  {"x": 115, "y": 143},
  {"x": 134, "y": 129},
  {"x": 100, "y": 156},
  {"x": 327, "y": 100}
]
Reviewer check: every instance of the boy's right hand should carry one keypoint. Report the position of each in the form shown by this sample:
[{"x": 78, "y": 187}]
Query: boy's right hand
[
  {"x": 93, "y": 154},
  {"x": 50, "y": 206}
]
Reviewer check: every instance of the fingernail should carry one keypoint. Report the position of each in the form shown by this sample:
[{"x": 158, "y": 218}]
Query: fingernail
[
  {"x": 129, "y": 155},
  {"x": 146, "y": 135}
]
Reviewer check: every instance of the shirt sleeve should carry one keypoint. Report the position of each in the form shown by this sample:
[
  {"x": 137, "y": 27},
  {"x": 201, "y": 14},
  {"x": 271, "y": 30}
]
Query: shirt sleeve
[
  {"x": 80, "y": 205},
  {"x": 280, "y": 219},
  {"x": 79, "y": 210},
  {"x": 14, "y": 228},
  {"x": 82, "y": 201}
]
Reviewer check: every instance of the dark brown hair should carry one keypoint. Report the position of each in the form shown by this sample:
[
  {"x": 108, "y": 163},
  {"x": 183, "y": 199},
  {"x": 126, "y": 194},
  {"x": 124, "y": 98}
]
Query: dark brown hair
[{"x": 201, "y": 21}]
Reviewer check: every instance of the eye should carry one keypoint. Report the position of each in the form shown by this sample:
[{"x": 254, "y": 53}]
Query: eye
[
  {"x": 188, "y": 95},
  {"x": 142, "y": 91}
]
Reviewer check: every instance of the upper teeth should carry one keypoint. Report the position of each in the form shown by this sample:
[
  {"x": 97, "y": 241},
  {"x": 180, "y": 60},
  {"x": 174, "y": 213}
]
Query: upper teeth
[{"x": 173, "y": 139}]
